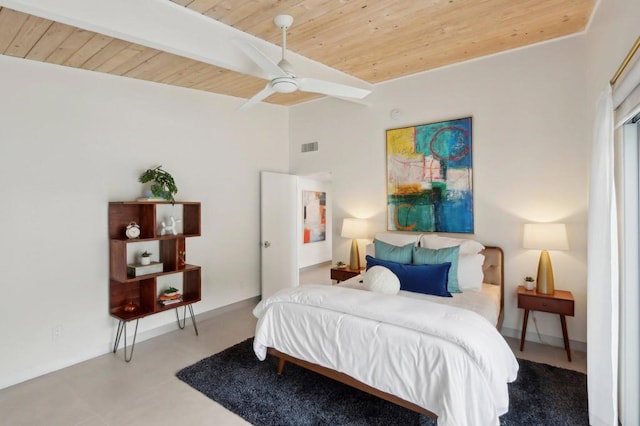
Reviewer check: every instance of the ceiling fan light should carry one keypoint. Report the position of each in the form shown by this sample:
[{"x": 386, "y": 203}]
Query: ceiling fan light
[{"x": 284, "y": 85}]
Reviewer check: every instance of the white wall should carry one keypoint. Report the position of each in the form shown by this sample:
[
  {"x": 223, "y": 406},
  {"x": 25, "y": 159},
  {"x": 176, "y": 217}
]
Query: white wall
[
  {"x": 70, "y": 142},
  {"x": 612, "y": 31},
  {"x": 530, "y": 144}
]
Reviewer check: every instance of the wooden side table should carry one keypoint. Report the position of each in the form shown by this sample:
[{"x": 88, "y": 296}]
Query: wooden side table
[
  {"x": 341, "y": 274},
  {"x": 561, "y": 302}
]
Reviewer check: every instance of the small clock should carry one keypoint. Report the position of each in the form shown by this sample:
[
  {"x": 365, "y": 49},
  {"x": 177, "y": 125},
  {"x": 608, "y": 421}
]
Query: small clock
[{"x": 132, "y": 231}]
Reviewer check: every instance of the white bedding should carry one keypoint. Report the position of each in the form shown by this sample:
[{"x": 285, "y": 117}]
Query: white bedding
[
  {"x": 485, "y": 302},
  {"x": 448, "y": 360}
]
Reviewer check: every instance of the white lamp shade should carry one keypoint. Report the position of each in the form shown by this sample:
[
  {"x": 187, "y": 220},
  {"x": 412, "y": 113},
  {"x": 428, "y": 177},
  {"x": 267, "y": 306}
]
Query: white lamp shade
[
  {"x": 545, "y": 236},
  {"x": 354, "y": 228}
]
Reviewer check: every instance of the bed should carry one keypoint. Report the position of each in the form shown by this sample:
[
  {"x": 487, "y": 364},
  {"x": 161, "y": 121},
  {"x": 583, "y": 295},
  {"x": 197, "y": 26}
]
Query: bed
[{"x": 422, "y": 352}]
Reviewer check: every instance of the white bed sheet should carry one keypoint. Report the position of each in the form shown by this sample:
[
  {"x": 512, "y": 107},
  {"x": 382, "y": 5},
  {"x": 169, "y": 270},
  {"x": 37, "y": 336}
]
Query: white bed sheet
[
  {"x": 485, "y": 302},
  {"x": 448, "y": 360}
]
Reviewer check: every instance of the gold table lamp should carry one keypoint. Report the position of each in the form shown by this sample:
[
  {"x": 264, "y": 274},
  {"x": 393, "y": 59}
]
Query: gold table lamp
[
  {"x": 354, "y": 228},
  {"x": 545, "y": 236}
]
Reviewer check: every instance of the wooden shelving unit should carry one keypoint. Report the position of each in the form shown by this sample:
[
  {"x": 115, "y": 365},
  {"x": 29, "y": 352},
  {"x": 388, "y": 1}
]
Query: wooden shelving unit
[{"x": 142, "y": 292}]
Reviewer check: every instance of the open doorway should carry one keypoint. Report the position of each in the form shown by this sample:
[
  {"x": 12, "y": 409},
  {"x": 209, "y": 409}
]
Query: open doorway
[{"x": 316, "y": 236}]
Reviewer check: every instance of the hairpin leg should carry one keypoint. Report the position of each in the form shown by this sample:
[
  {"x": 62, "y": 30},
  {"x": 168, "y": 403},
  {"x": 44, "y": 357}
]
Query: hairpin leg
[
  {"x": 122, "y": 329},
  {"x": 193, "y": 319},
  {"x": 182, "y": 324},
  {"x": 118, "y": 335}
]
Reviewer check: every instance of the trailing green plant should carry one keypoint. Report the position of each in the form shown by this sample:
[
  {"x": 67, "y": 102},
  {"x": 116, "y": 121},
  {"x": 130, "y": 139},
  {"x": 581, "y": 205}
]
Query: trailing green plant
[{"x": 162, "y": 183}]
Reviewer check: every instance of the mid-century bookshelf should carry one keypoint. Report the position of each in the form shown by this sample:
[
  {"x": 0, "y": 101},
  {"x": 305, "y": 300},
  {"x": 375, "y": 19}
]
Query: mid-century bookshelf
[{"x": 135, "y": 297}]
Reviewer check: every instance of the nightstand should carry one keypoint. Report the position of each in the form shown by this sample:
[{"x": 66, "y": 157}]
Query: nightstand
[
  {"x": 561, "y": 302},
  {"x": 341, "y": 274}
]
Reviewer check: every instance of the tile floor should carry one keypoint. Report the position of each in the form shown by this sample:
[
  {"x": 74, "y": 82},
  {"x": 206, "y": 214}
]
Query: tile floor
[{"x": 107, "y": 391}]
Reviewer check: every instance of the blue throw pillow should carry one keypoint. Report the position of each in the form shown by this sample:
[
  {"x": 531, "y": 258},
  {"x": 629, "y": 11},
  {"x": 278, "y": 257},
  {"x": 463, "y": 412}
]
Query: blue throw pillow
[
  {"x": 426, "y": 279},
  {"x": 399, "y": 254},
  {"x": 426, "y": 256}
]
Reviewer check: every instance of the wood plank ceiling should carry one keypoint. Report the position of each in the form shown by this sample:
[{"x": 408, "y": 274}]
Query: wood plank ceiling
[{"x": 375, "y": 41}]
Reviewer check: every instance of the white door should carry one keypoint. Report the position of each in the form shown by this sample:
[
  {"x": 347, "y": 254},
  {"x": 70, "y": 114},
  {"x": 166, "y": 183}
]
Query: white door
[{"x": 278, "y": 232}]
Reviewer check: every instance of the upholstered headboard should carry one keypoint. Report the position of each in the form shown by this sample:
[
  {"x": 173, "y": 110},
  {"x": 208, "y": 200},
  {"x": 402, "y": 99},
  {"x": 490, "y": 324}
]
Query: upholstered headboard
[{"x": 493, "y": 270}]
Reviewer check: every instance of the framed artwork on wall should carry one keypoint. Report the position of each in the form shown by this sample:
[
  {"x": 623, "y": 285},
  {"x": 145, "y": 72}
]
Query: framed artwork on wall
[
  {"x": 314, "y": 221},
  {"x": 429, "y": 177}
]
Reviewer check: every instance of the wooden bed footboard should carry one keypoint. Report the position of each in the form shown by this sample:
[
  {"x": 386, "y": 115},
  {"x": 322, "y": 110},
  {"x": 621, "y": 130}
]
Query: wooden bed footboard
[{"x": 347, "y": 380}]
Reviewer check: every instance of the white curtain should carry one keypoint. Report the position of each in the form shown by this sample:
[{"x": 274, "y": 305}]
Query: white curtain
[
  {"x": 602, "y": 282},
  {"x": 626, "y": 104}
]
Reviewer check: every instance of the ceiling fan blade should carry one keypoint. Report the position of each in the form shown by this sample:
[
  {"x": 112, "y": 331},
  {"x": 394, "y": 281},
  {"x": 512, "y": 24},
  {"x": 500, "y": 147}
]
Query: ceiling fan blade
[
  {"x": 268, "y": 90},
  {"x": 266, "y": 64},
  {"x": 307, "y": 84}
]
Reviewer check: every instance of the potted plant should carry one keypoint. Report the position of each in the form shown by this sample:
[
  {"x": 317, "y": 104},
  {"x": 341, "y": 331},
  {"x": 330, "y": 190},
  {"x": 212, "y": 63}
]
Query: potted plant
[
  {"x": 529, "y": 282},
  {"x": 162, "y": 183},
  {"x": 145, "y": 258},
  {"x": 171, "y": 291},
  {"x": 341, "y": 265}
]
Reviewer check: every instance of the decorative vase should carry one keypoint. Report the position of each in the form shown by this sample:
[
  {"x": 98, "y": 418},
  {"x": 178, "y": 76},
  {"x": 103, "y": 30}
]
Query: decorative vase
[
  {"x": 145, "y": 260},
  {"x": 130, "y": 307}
]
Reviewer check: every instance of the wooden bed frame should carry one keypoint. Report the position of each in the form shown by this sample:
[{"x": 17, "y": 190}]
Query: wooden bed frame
[{"x": 493, "y": 269}]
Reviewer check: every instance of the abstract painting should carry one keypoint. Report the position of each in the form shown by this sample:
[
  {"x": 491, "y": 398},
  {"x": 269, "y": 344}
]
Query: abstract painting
[
  {"x": 314, "y": 221},
  {"x": 429, "y": 177}
]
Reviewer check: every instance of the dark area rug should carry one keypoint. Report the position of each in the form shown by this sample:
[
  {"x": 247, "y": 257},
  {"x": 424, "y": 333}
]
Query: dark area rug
[{"x": 542, "y": 394}]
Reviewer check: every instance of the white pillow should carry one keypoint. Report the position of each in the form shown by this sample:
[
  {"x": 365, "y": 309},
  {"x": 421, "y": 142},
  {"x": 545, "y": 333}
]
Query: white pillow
[
  {"x": 381, "y": 280},
  {"x": 470, "y": 275},
  {"x": 397, "y": 239},
  {"x": 433, "y": 241},
  {"x": 370, "y": 250}
]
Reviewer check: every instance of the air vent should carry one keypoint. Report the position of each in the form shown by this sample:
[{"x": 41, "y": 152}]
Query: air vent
[{"x": 309, "y": 147}]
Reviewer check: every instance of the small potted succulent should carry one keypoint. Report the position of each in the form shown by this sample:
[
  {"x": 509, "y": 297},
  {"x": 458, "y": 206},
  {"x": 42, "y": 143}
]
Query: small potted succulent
[
  {"x": 171, "y": 291},
  {"x": 529, "y": 282},
  {"x": 341, "y": 265},
  {"x": 145, "y": 258}
]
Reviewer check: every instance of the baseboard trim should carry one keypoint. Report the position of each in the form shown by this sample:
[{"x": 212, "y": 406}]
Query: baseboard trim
[
  {"x": 202, "y": 316},
  {"x": 315, "y": 266},
  {"x": 107, "y": 347},
  {"x": 546, "y": 339}
]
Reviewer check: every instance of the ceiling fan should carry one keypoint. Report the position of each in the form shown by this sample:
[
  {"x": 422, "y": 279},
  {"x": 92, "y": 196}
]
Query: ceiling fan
[{"x": 282, "y": 78}]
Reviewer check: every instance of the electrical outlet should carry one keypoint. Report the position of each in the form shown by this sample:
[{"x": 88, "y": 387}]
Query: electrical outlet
[{"x": 56, "y": 332}]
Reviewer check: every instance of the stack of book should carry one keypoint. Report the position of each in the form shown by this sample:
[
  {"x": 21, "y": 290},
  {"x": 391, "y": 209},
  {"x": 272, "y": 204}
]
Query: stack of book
[{"x": 170, "y": 299}]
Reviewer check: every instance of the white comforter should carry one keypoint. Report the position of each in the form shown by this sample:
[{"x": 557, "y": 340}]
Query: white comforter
[{"x": 448, "y": 360}]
